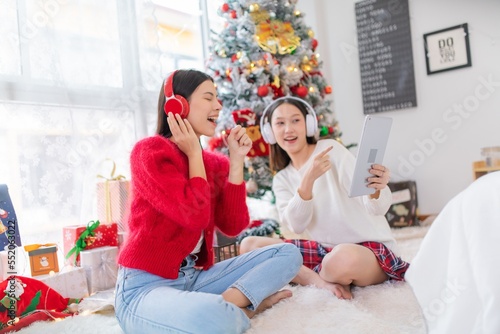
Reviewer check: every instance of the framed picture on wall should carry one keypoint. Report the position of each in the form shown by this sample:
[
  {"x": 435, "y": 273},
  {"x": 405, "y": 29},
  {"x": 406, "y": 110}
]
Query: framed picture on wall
[{"x": 447, "y": 49}]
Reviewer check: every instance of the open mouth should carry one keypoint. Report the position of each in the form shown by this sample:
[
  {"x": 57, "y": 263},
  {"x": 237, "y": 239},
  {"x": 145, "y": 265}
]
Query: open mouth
[
  {"x": 290, "y": 138},
  {"x": 213, "y": 119}
]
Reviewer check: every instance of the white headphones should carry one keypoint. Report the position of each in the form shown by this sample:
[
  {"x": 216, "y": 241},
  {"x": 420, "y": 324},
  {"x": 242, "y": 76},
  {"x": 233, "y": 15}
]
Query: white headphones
[{"x": 265, "y": 125}]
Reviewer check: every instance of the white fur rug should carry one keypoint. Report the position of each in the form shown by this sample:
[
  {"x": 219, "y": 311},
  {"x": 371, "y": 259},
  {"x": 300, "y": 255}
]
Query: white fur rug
[{"x": 386, "y": 308}]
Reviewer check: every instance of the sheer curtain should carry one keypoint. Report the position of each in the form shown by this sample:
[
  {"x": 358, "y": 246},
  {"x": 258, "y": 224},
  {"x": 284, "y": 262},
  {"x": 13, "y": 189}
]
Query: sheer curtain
[{"x": 79, "y": 82}]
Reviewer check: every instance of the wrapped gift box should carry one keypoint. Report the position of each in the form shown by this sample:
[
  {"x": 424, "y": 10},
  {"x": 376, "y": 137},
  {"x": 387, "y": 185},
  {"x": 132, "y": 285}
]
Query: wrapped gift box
[
  {"x": 9, "y": 229},
  {"x": 90, "y": 235},
  {"x": 112, "y": 202},
  {"x": 71, "y": 282},
  {"x": 101, "y": 268},
  {"x": 43, "y": 259}
]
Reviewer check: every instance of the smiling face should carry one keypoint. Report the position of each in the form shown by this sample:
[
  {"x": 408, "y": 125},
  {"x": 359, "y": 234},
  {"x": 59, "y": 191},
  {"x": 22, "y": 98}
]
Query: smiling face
[
  {"x": 204, "y": 109},
  {"x": 289, "y": 128}
]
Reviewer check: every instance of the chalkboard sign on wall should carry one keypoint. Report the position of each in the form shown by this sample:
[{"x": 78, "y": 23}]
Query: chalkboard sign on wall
[{"x": 385, "y": 55}]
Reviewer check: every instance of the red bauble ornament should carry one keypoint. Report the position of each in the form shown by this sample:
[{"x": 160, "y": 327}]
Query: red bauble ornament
[
  {"x": 225, "y": 8},
  {"x": 302, "y": 91},
  {"x": 234, "y": 58},
  {"x": 233, "y": 14},
  {"x": 263, "y": 91},
  {"x": 277, "y": 91},
  {"x": 328, "y": 89},
  {"x": 314, "y": 43}
]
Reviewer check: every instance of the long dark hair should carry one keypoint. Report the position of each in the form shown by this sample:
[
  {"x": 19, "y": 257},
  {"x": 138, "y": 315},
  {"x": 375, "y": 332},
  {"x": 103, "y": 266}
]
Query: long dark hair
[
  {"x": 184, "y": 83},
  {"x": 278, "y": 158}
]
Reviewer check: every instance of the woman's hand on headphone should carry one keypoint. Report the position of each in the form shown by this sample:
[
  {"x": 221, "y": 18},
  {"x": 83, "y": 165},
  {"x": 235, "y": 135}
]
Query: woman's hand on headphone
[
  {"x": 183, "y": 134},
  {"x": 238, "y": 142}
]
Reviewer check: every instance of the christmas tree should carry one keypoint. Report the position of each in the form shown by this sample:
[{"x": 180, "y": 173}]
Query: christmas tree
[{"x": 265, "y": 51}]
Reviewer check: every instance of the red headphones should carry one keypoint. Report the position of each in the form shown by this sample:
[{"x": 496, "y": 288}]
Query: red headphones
[{"x": 176, "y": 104}]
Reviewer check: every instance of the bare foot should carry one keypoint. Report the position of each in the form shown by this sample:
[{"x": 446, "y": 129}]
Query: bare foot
[
  {"x": 268, "y": 302},
  {"x": 307, "y": 276},
  {"x": 339, "y": 290}
]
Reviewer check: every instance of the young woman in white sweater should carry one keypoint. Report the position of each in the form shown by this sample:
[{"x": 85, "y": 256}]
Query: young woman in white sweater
[{"x": 350, "y": 239}]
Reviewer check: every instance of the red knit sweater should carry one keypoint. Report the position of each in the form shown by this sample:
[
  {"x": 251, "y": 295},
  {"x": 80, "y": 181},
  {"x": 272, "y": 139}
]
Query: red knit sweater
[{"x": 169, "y": 210}]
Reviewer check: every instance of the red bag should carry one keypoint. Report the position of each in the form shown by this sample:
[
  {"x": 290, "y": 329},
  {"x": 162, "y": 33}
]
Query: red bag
[{"x": 21, "y": 296}]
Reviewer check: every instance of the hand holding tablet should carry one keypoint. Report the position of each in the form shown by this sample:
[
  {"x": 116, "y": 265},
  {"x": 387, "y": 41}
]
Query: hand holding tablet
[{"x": 374, "y": 138}]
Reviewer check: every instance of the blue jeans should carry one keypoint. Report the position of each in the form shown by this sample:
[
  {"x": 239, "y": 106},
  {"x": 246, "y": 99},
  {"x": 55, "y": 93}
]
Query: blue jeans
[{"x": 192, "y": 303}]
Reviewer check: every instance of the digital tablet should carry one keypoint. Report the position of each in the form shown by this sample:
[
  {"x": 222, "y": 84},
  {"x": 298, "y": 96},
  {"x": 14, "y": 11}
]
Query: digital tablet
[{"x": 371, "y": 150}]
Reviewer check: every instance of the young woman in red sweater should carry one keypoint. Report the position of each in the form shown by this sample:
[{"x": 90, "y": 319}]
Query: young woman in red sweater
[{"x": 168, "y": 281}]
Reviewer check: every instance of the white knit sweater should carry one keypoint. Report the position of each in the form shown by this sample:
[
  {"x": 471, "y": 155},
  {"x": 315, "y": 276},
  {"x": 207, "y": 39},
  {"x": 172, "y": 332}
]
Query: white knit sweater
[{"x": 331, "y": 217}]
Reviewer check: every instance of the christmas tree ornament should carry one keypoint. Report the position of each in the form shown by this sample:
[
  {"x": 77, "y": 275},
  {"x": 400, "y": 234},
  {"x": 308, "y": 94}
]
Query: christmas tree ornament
[
  {"x": 254, "y": 7},
  {"x": 323, "y": 131},
  {"x": 263, "y": 91},
  {"x": 314, "y": 44},
  {"x": 224, "y": 8},
  {"x": 277, "y": 37},
  {"x": 222, "y": 53},
  {"x": 233, "y": 14},
  {"x": 328, "y": 89},
  {"x": 277, "y": 91},
  {"x": 302, "y": 91},
  {"x": 306, "y": 68},
  {"x": 276, "y": 81}
]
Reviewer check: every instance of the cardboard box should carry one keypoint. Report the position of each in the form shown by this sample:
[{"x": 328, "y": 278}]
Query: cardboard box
[{"x": 43, "y": 260}]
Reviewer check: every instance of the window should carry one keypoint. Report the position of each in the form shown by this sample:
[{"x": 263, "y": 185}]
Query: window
[{"x": 78, "y": 85}]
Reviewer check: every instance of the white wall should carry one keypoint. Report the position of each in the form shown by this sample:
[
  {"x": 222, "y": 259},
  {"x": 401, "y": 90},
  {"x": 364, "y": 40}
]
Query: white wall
[{"x": 441, "y": 169}]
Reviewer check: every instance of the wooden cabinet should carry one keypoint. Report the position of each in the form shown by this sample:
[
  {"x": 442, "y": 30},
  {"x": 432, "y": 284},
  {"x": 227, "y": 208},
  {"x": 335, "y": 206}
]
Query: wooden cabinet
[{"x": 479, "y": 168}]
